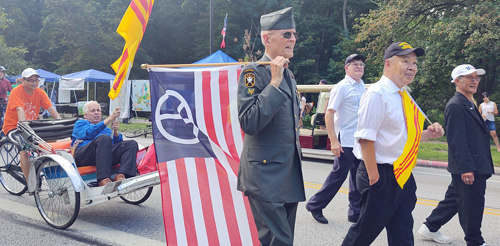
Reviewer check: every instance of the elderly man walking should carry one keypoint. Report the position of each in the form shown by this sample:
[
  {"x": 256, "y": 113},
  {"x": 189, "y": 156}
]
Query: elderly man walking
[
  {"x": 344, "y": 103},
  {"x": 469, "y": 162},
  {"x": 270, "y": 171},
  {"x": 381, "y": 136}
]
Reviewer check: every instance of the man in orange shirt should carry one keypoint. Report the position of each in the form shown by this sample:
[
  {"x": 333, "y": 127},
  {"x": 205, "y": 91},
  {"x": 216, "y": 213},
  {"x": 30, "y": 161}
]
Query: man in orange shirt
[{"x": 24, "y": 104}]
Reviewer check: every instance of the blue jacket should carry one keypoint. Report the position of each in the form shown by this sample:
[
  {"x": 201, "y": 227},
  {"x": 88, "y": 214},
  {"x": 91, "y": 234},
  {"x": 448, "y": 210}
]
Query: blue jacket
[{"x": 87, "y": 132}]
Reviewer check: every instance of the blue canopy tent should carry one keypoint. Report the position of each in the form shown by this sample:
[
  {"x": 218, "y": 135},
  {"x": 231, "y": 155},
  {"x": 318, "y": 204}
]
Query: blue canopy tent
[
  {"x": 216, "y": 57},
  {"x": 90, "y": 75},
  {"x": 48, "y": 76}
]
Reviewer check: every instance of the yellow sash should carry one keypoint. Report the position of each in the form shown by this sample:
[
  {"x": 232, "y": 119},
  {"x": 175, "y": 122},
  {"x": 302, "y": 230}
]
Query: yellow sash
[{"x": 414, "y": 125}]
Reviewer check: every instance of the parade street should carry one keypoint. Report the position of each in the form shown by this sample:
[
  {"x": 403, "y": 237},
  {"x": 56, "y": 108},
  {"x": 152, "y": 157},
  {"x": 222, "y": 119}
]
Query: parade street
[{"x": 117, "y": 223}]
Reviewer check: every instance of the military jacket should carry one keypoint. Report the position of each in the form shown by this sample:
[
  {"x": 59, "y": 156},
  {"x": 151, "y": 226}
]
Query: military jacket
[{"x": 270, "y": 167}]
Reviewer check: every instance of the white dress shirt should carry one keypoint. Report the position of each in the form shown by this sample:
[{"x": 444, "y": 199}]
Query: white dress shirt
[
  {"x": 344, "y": 99},
  {"x": 381, "y": 119}
]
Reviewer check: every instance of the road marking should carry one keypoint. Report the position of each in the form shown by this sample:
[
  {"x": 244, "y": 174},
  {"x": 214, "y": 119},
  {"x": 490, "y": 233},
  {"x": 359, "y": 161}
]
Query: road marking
[
  {"x": 96, "y": 231},
  {"x": 421, "y": 201}
]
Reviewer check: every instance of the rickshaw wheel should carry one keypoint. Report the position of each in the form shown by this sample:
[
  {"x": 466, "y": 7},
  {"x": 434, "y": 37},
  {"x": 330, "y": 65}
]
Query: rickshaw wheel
[
  {"x": 56, "y": 199},
  {"x": 137, "y": 197},
  {"x": 11, "y": 175}
]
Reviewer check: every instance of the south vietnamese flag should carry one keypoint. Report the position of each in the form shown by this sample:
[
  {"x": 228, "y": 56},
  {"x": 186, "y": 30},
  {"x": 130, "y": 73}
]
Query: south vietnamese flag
[{"x": 131, "y": 28}]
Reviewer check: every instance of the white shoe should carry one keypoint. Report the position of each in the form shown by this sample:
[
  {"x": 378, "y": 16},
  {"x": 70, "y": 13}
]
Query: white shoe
[{"x": 436, "y": 236}]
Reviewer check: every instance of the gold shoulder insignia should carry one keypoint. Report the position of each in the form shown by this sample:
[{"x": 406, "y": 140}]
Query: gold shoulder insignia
[{"x": 250, "y": 91}]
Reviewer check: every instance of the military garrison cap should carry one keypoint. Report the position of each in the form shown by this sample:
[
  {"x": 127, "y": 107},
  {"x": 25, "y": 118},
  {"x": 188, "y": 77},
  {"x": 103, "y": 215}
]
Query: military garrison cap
[{"x": 279, "y": 20}]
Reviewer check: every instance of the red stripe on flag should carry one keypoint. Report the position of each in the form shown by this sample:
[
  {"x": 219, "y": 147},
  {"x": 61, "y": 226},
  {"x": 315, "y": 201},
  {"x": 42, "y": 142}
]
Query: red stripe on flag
[
  {"x": 225, "y": 114},
  {"x": 168, "y": 213},
  {"x": 121, "y": 77},
  {"x": 206, "y": 201},
  {"x": 139, "y": 15},
  {"x": 187, "y": 208},
  {"x": 228, "y": 203},
  {"x": 207, "y": 106}
]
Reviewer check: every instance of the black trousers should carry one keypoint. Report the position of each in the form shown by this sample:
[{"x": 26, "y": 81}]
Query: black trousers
[
  {"x": 102, "y": 154},
  {"x": 342, "y": 165},
  {"x": 468, "y": 202},
  {"x": 383, "y": 205},
  {"x": 275, "y": 221}
]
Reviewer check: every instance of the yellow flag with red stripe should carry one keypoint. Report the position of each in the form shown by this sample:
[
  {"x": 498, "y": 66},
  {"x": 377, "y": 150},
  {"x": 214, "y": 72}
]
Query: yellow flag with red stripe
[
  {"x": 131, "y": 28},
  {"x": 414, "y": 125}
]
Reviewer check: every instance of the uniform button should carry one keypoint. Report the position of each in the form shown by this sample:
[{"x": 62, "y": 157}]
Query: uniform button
[
  {"x": 296, "y": 142},
  {"x": 264, "y": 161},
  {"x": 295, "y": 115},
  {"x": 295, "y": 128}
]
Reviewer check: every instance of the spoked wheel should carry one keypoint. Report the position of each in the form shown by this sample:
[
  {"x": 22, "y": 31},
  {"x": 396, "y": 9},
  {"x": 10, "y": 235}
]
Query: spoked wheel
[
  {"x": 135, "y": 133},
  {"x": 137, "y": 197},
  {"x": 11, "y": 175},
  {"x": 56, "y": 199}
]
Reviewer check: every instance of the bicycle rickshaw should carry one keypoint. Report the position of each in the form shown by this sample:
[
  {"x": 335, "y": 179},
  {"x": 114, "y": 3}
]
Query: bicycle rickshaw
[{"x": 59, "y": 187}]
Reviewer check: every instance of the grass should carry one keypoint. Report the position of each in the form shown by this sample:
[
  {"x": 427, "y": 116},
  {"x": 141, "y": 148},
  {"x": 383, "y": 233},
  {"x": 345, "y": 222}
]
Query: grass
[
  {"x": 132, "y": 126},
  {"x": 438, "y": 151}
]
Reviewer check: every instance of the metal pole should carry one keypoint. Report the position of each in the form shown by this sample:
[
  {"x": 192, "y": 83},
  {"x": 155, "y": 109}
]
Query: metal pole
[{"x": 211, "y": 17}]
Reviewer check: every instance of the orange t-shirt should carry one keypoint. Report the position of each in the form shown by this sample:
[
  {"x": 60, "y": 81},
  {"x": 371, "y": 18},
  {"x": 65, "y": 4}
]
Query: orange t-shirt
[{"x": 30, "y": 103}]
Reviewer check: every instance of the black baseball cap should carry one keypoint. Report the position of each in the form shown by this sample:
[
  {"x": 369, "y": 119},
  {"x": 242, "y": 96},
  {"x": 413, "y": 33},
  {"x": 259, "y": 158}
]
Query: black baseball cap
[
  {"x": 401, "y": 49},
  {"x": 354, "y": 57}
]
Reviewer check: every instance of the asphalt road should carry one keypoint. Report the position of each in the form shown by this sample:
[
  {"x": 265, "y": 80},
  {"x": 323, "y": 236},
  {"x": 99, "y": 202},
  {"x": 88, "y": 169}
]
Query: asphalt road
[{"x": 117, "y": 223}]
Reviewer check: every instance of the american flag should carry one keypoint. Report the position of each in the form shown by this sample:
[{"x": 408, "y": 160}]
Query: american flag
[
  {"x": 223, "y": 33},
  {"x": 199, "y": 141}
]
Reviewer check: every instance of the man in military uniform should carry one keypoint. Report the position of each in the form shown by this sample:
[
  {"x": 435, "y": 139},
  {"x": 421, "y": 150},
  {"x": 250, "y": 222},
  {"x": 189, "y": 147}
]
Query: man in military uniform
[{"x": 268, "y": 109}]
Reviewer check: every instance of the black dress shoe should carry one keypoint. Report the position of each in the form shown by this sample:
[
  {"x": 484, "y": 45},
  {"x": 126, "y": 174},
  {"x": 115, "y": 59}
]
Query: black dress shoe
[{"x": 318, "y": 215}]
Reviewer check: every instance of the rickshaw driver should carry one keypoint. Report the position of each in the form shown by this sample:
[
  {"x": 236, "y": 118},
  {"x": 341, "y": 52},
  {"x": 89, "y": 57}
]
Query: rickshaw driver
[
  {"x": 24, "y": 104},
  {"x": 97, "y": 145}
]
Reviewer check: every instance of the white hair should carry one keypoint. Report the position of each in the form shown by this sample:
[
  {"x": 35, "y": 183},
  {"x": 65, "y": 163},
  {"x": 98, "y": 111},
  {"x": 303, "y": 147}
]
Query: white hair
[{"x": 87, "y": 105}]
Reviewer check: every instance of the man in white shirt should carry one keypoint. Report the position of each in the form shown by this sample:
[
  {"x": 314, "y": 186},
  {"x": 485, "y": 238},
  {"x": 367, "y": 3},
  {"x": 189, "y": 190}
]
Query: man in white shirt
[
  {"x": 344, "y": 103},
  {"x": 380, "y": 139}
]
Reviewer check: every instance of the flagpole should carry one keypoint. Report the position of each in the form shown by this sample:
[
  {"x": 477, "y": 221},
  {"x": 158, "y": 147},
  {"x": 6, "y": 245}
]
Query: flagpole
[
  {"x": 425, "y": 116},
  {"x": 146, "y": 66},
  {"x": 211, "y": 31}
]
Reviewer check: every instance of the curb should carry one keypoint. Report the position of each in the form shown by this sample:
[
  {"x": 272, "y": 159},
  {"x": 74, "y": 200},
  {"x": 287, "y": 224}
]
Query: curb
[{"x": 436, "y": 164}]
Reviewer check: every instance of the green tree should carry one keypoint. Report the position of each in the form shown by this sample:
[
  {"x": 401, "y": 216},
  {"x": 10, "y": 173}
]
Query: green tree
[{"x": 451, "y": 32}]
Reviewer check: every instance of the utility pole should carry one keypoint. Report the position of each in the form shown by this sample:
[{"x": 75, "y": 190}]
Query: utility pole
[{"x": 211, "y": 21}]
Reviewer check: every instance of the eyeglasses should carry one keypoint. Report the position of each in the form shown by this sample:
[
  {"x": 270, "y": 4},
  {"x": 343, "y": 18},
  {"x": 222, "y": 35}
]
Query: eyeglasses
[
  {"x": 472, "y": 78},
  {"x": 357, "y": 64},
  {"x": 288, "y": 35},
  {"x": 33, "y": 81}
]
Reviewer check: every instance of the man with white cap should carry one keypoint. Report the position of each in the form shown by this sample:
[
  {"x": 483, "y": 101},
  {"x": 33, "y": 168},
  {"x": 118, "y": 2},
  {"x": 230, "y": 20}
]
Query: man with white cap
[
  {"x": 24, "y": 104},
  {"x": 469, "y": 162},
  {"x": 270, "y": 173}
]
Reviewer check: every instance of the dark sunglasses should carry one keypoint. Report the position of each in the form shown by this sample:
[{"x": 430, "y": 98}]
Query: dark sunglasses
[{"x": 288, "y": 35}]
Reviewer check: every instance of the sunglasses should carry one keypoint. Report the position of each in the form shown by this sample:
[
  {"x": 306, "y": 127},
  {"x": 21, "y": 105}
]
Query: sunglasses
[{"x": 288, "y": 35}]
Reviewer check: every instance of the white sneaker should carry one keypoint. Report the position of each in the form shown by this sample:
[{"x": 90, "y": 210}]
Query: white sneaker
[{"x": 436, "y": 236}]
